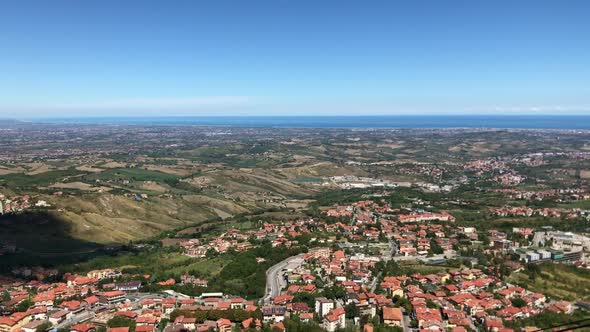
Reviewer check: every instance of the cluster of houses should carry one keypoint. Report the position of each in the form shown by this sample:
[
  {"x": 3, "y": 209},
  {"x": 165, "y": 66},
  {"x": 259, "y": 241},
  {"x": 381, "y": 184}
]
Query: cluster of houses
[
  {"x": 361, "y": 221},
  {"x": 560, "y": 195},
  {"x": 417, "y": 232},
  {"x": 414, "y": 239},
  {"x": 504, "y": 174},
  {"x": 425, "y": 217},
  {"x": 368, "y": 221},
  {"x": 14, "y": 204},
  {"x": 525, "y": 211},
  {"x": 482, "y": 166},
  {"x": 330, "y": 267},
  {"x": 337, "y": 272},
  {"x": 239, "y": 240},
  {"x": 85, "y": 303},
  {"x": 33, "y": 303},
  {"x": 458, "y": 300},
  {"x": 544, "y": 155},
  {"x": 509, "y": 179},
  {"x": 414, "y": 231}
]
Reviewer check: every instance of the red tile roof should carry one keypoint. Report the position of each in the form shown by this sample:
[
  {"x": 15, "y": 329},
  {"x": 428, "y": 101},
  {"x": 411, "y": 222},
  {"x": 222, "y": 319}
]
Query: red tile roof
[{"x": 390, "y": 313}]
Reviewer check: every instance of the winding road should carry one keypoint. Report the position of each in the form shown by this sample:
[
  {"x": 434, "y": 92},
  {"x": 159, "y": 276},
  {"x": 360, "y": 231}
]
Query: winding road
[
  {"x": 275, "y": 275},
  {"x": 275, "y": 278}
]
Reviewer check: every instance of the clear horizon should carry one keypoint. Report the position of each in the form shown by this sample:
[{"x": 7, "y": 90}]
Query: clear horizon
[{"x": 109, "y": 58}]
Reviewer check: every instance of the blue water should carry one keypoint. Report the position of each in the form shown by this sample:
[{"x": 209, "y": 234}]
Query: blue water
[{"x": 438, "y": 121}]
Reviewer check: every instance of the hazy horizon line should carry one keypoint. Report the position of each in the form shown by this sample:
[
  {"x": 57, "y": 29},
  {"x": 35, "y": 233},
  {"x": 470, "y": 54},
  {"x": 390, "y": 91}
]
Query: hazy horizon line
[{"x": 296, "y": 116}]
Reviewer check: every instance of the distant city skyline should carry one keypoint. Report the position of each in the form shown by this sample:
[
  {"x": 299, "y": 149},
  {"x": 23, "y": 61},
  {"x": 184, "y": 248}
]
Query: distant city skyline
[{"x": 217, "y": 58}]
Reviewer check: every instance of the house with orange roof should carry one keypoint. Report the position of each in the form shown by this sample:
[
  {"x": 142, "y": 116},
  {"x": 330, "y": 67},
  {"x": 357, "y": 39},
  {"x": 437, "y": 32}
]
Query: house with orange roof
[
  {"x": 188, "y": 323},
  {"x": 292, "y": 289},
  {"x": 38, "y": 313},
  {"x": 237, "y": 303},
  {"x": 169, "y": 282},
  {"x": 149, "y": 303},
  {"x": 13, "y": 322},
  {"x": 145, "y": 328},
  {"x": 58, "y": 316},
  {"x": 493, "y": 324},
  {"x": 91, "y": 301},
  {"x": 283, "y": 299},
  {"x": 306, "y": 317},
  {"x": 308, "y": 278},
  {"x": 335, "y": 319},
  {"x": 252, "y": 323},
  {"x": 44, "y": 299},
  {"x": 82, "y": 328},
  {"x": 392, "y": 316},
  {"x": 278, "y": 326},
  {"x": 428, "y": 318},
  {"x": 72, "y": 306},
  {"x": 146, "y": 320},
  {"x": 224, "y": 325},
  {"x": 112, "y": 297},
  {"x": 561, "y": 306}
]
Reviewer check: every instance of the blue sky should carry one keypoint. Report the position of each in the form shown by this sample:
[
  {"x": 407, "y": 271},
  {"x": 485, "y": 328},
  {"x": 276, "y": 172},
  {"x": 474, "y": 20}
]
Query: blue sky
[{"x": 282, "y": 57}]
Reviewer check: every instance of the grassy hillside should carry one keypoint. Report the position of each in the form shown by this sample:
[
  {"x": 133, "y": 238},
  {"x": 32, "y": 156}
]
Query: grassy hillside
[
  {"x": 108, "y": 218},
  {"x": 99, "y": 202}
]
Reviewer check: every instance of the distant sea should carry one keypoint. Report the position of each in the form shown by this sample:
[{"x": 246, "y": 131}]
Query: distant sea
[{"x": 399, "y": 121}]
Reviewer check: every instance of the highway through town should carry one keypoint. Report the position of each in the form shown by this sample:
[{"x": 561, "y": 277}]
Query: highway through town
[{"x": 275, "y": 278}]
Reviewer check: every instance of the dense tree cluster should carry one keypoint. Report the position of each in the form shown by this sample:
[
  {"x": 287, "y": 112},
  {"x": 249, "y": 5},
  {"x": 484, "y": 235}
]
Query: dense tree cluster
[
  {"x": 122, "y": 321},
  {"x": 245, "y": 276}
]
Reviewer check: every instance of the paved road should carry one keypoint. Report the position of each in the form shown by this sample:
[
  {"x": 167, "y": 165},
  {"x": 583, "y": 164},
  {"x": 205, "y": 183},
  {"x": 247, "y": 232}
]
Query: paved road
[
  {"x": 406, "y": 321},
  {"x": 373, "y": 284},
  {"x": 275, "y": 280},
  {"x": 81, "y": 317}
]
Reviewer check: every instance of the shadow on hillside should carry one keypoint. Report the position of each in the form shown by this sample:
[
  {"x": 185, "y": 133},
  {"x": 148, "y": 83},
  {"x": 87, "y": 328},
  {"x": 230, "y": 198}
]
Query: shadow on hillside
[{"x": 41, "y": 238}]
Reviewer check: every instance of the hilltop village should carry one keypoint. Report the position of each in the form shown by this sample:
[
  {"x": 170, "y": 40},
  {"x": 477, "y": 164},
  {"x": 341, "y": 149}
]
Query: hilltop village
[{"x": 352, "y": 276}]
